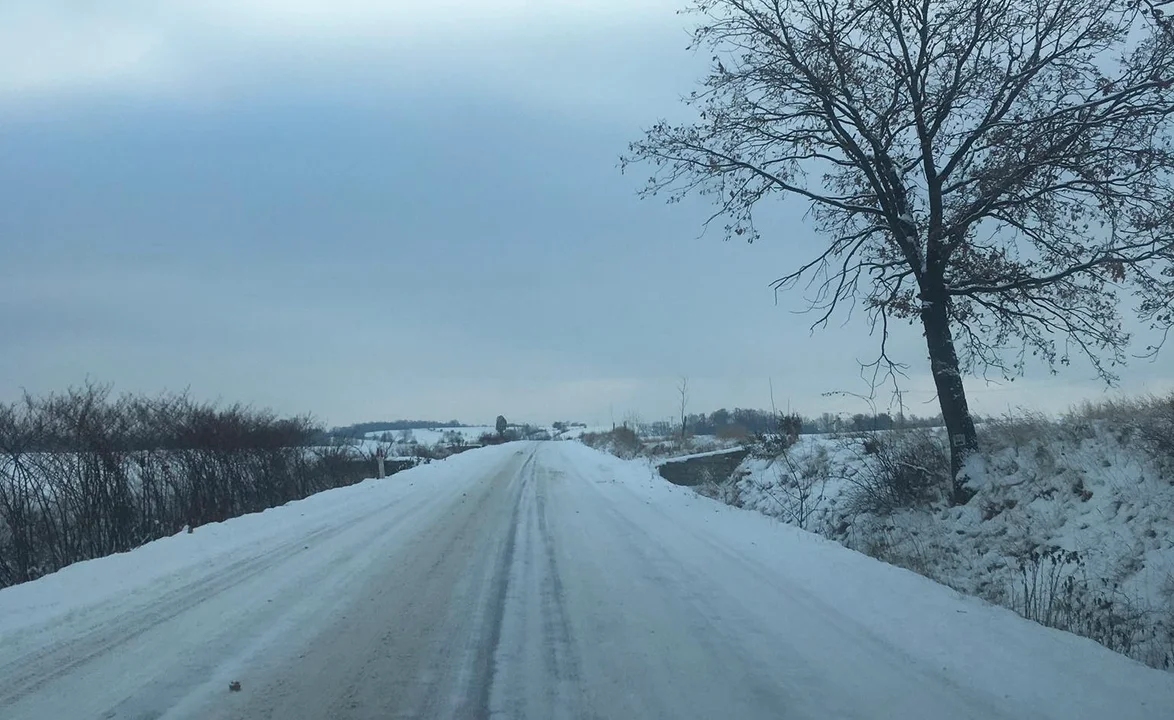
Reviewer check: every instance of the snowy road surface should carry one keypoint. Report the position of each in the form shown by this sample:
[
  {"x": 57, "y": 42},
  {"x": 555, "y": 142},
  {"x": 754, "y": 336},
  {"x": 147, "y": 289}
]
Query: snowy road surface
[{"x": 535, "y": 581}]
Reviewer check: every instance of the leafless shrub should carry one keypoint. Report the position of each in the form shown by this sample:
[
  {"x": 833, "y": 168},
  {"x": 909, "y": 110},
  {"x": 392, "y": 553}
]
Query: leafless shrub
[
  {"x": 894, "y": 544},
  {"x": 1019, "y": 431},
  {"x": 908, "y": 468},
  {"x": 1147, "y": 419},
  {"x": 622, "y": 442},
  {"x": 774, "y": 442},
  {"x": 724, "y": 490},
  {"x": 1155, "y": 428},
  {"x": 800, "y": 484},
  {"x": 84, "y": 474},
  {"x": 1052, "y": 588}
]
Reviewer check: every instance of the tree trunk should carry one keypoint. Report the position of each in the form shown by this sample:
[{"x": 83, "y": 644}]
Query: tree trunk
[{"x": 951, "y": 394}]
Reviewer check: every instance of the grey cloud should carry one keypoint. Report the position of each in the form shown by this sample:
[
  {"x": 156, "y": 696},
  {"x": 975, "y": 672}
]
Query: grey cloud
[{"x": 442, "y": 232}]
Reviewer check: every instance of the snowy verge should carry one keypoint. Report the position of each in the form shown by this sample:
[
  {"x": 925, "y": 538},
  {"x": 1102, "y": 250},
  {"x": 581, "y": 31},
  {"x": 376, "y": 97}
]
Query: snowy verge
[
  {"x": 1028, "y": 670},
  {"x": 1072, "y": 524}
]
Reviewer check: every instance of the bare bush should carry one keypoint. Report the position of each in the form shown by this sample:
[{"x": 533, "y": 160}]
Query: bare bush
[
  {"x": 1019, "y": 431},
  {"x": 498, "y": 438},
  {"x": 800, "y": 484},
  {"x": 892, "y": 542},
  {"x": 84, "y": 474},
  {"x": 905, "y": 469},
  {"x": 489, "y": 438},
  {"x": 774, "y": 442},
  {"x": 724, "y": 490},
  {"x": 1045, "y": 584},
  {"x": 623, "y": 442},
  {"x": 1156, "y": 429},
  {"x": 1052, "y": 588},
  {"x": 1147, "y": 419}
]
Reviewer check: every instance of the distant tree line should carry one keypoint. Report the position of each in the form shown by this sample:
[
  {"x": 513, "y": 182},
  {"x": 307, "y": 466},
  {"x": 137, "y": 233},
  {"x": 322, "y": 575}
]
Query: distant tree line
[
  {"x": 744, "y": 422},
  {"x": 84, "y": 474}
]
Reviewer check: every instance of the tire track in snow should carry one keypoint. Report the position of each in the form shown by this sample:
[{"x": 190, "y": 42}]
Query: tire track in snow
[
  {"x": 413, "y": 638},
  {"x": 562, "y": 656},
  {"x": 536, "y": 660},
  {"x": 486, "y": 665}
]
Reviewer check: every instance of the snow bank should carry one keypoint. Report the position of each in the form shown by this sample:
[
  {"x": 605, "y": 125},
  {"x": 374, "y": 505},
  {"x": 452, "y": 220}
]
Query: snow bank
[{"x": 1072, "y": 525}]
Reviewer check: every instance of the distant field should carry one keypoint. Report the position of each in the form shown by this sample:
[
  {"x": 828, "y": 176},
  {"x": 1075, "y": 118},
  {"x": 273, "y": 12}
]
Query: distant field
[{"x": 433, "y": 436}]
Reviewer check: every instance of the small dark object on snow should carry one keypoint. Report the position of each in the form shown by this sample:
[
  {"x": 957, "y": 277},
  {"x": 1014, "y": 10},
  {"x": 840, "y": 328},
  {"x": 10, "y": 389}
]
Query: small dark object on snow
[
  {"x": 234, "y": 686},
  {"x": 190, "y": 529}
]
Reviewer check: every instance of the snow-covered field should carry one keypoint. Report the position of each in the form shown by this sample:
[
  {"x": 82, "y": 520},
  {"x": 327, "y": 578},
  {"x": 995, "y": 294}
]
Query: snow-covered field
[
  {"x": 574, "y": 433},
  {"x": 533, "y": 580},
  {"x": 433, "y": 436}
]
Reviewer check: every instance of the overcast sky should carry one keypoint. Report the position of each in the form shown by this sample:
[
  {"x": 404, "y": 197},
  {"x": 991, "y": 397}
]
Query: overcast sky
[{"x": 373, "y": 209}]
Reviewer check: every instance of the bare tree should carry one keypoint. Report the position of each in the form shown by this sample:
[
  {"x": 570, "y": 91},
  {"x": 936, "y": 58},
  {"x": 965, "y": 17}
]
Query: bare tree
[
  {"x": 632, "y": 420},
  {"x": 998, "y": 170},
  {"x": 1157, "y": 13},
  {"x": 683, "y": 391}
]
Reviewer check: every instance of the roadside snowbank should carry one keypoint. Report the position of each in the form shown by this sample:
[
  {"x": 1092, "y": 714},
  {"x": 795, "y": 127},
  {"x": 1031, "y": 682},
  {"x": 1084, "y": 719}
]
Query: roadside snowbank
[{"x": 1072, "y": 525}]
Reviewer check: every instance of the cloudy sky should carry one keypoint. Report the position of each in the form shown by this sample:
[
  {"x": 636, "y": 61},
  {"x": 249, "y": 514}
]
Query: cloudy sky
[{"x": 371, "y": 209}]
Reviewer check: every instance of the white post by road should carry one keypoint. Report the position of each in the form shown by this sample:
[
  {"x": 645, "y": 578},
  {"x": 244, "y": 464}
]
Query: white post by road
[{"x": 379, "y": 459}]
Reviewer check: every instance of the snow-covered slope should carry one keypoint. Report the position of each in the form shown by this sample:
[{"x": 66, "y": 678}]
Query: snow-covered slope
[{"x": 1072, "y": 525}]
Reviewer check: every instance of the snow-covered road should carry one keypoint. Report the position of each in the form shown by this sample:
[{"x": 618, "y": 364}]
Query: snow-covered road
[{"x": 534, "y": 581}]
